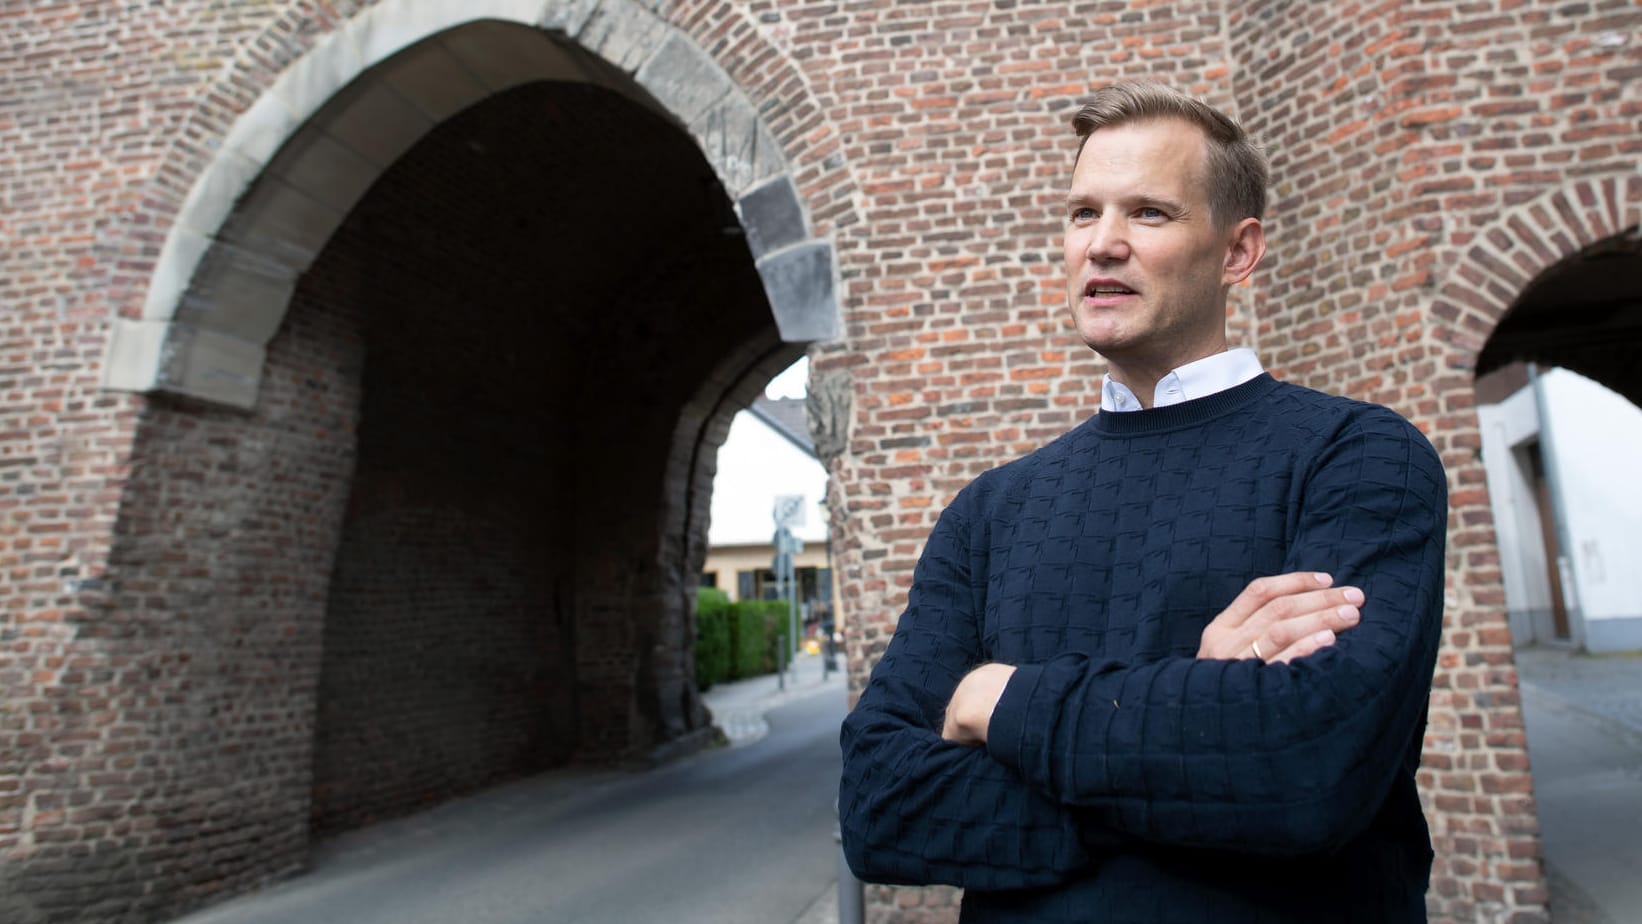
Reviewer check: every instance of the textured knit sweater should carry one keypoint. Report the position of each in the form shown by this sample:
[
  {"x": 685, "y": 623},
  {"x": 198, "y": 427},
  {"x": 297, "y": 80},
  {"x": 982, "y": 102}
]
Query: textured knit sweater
[{"x": 1123, "y": 779}]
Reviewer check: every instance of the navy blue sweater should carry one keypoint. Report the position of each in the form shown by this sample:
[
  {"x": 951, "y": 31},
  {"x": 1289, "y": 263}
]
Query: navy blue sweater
[{"x": 1123, "y": 779}]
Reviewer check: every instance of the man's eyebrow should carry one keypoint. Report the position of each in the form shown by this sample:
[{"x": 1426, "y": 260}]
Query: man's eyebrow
[{"x": 1163, "y": 203}]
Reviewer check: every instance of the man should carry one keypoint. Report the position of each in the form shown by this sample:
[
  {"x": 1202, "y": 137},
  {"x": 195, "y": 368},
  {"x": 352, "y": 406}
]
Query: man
[{"x": 1173, "y": 666}]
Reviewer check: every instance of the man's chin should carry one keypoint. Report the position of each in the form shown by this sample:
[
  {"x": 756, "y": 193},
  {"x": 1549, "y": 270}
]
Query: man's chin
[{"x": 1104, "y": 342}]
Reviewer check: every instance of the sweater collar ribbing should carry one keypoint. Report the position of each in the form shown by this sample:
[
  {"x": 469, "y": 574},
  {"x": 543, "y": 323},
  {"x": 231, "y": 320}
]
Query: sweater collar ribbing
[{"x": 1187, "y": 413}]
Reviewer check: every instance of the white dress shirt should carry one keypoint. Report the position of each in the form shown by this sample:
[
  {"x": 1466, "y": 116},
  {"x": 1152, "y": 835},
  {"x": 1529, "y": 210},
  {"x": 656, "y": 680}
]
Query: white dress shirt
[{"x": 1198, "y": 379}]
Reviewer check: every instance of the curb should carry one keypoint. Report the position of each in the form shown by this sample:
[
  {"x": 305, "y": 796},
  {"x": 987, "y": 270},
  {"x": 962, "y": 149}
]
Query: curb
[{"x": 740, "y": 713}]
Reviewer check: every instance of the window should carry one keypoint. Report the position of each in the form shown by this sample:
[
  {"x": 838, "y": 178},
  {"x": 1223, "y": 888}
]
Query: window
[{"x": 813, "y": 584}]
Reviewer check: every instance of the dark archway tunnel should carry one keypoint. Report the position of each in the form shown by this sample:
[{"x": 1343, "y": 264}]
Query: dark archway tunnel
[
  {"x": 540, "y": 287},
  {"x": 1584, "y": 314}
]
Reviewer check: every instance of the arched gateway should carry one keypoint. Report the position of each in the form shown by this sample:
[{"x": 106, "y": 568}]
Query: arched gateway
[
  {"x": 439, "y": 348},
  {"x": 362, "y": 364},
  {"x": 293, "y": 165},
  {"x": 1556, "y": 284}
]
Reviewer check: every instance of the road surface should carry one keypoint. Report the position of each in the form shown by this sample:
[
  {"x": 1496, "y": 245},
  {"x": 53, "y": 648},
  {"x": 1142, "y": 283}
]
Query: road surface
[{"x": 740, "y": 834}]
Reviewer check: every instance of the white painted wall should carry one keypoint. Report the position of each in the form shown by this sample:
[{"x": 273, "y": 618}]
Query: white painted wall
[
  {"x": 1507, "y": 428},
  {"x": 756, "y": 464},
  {"x": 1593, "y": 438},
  {"x": 1598, "y": 440}
]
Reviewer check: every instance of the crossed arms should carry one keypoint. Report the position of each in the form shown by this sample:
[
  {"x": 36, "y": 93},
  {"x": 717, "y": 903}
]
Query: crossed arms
[
  {"x": 1295, "y": 614},
  {"x": 1024, "y": 775}
]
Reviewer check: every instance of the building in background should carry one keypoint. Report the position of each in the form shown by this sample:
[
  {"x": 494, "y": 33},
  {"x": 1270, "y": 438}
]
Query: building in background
[
  {"x": 1560, "y": 451},
  {"x": 768, "y": 455}
]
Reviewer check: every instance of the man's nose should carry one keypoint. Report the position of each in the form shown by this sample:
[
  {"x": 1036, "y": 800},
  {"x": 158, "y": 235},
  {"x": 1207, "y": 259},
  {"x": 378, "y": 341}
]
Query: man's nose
[{"x": 1107, "y": 240}]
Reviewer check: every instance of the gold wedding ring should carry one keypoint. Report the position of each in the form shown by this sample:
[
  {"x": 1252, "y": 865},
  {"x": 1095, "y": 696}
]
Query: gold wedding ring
[{"x": 1256, "y": 646}]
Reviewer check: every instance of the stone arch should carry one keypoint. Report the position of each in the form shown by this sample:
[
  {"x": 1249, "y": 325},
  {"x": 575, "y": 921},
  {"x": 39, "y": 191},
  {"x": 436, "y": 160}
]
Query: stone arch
[
  {"x": 292, "y": 165},
  {"x": 1521, "y": 244},
  {"x": 1533, "y": 287},
  {"x": 1502, "y": 260},
  {"x": 1583, "y": 314}
]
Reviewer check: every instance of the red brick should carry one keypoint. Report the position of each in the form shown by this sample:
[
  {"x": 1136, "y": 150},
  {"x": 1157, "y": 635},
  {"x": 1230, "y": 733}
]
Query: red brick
[{"x": 945, "y": 181}]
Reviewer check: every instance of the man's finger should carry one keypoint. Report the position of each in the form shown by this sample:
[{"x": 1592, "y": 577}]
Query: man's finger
[
  {"x": 1310, "y": 644},
  {"x": 1302, "y": 606},
  {"x": 1280, "y": 635},
  {"x": 1262, "y": 591}
]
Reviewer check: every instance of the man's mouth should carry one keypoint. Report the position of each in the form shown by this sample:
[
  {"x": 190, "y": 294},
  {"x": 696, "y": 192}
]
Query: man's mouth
[{"x": 1106, "y": 290}]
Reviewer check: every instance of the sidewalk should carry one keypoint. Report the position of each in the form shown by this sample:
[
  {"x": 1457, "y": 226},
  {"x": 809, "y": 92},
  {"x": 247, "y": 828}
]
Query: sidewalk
[
  {"x": 1608, "y": 686},
  {"x": 739, "y": 707},
  {"x": 1584, "y": 722}
]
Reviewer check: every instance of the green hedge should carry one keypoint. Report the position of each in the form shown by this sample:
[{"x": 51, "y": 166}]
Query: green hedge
[
  {"x": 712, "y": 637},
  {"x": 756, "y": 628},
  {"x": 736, "y": 640}
]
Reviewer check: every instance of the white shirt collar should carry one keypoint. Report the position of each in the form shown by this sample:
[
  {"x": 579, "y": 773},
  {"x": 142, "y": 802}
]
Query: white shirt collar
[{"x": 1207, "y": 376}]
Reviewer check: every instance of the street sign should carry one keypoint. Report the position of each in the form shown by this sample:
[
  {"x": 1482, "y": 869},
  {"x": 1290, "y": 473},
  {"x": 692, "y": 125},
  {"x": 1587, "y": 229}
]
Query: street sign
[
  {"x": 789, "y": 510},
  {"x": 786, "y": 546}
]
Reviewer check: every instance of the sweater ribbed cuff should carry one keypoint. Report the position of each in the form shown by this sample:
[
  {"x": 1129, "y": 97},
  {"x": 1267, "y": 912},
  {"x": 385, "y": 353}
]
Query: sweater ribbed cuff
[{"x": 1007, "y": 728}]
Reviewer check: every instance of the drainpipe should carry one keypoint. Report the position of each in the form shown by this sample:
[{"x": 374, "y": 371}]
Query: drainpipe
[
  {"x": 1565, "y": 560},
  {"x": 852, "y": 898}
]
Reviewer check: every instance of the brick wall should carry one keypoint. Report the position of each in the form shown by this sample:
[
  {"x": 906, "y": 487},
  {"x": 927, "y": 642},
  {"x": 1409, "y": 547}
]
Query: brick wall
[
  {"x": 1400, "y": 137},
  {"x": 487, "y": 414},
  {"x": 166, "y": 751},
  {"x": 165, "y": 566},
  {"x": 446, "y": 662},
  {"x": 97, "y": 709}
]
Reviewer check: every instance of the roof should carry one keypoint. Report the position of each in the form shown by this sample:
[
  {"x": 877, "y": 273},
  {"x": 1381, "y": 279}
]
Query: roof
[{"x": 786, "y": 417}]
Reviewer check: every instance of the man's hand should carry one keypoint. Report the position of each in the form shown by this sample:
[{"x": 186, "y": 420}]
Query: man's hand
[
  {"x": 969, "y": 712},
  {"x": 1282, "y": 617}
]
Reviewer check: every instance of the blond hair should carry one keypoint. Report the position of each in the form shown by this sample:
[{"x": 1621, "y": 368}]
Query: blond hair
[{"x": 1237, "y": 170}]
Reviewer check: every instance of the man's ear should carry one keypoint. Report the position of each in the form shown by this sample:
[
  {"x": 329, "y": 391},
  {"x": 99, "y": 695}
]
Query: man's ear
[{"x": 1245, "y": 246}]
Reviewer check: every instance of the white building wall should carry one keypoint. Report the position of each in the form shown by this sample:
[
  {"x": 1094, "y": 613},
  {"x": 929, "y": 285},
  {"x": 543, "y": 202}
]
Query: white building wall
[
  {"x": 1508, "y": 428},
  {"x": 1598, "y": 442},
  {"x": 1593, "y": 448},
  {"x": 755, "y": 465}
]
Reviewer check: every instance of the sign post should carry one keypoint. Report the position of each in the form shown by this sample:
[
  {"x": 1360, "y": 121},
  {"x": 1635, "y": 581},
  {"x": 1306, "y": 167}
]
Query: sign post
[{"x": 788, "y": 512}]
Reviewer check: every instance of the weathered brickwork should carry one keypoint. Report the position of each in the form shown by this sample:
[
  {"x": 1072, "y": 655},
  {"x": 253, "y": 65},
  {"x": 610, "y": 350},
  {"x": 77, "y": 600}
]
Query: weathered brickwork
[
  {"x": 1430, "y": 159},
  {"x": 1433, "y": 159},
  {"x": 174, "y": 575},
  {"x": 181, "y": 696},
  {"x": 509, "y": 547},
  {"x": 437, "y": 673}
]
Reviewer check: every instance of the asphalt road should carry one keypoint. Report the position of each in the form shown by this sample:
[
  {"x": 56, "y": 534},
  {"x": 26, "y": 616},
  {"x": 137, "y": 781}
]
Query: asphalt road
[{"x": 732, "y": 835}]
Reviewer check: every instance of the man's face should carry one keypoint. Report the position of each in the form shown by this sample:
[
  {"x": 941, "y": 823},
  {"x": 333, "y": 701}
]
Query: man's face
[{"x": 1146, "y": 265}]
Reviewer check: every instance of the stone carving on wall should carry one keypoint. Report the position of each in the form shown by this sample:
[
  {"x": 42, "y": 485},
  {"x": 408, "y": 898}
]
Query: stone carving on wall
[{"x": 827, "y": 408}]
